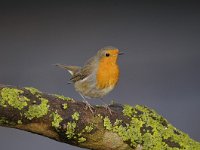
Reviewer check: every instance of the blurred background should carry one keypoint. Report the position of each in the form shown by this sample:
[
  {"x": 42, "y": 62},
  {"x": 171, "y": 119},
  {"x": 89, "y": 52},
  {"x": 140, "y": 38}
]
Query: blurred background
[{"x": 160, "y": 68}]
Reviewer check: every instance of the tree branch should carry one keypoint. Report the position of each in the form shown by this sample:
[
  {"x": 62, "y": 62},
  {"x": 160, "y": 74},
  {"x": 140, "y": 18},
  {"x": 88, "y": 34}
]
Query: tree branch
[{"x": 66, "y": 120}]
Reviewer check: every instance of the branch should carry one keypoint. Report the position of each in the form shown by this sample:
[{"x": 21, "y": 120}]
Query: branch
[{"x": 66, "y": 120}]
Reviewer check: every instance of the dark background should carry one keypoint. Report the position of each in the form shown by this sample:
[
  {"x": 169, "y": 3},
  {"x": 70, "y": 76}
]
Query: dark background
[{"x": 161, "y": 67}]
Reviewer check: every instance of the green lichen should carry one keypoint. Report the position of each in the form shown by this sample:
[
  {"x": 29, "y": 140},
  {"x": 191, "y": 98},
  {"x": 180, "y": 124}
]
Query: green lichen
[
  {"x": 2, "y": 103},
  {"x": 32, "y": 90},
  {"x": 79, "y": 136},
  {"x": 100, "y": 116},
  {"x": 71, "y": 132},
  {"x": 37, "y": 111},
  {"x": 4, "y": 121},
  {"x": 76, "y": 116},
  {"x": 63, "y": 97},
  {"x": 88, "y": 128},
  {"x": 13, "y": 97},
  {"x": 19, "y": 122},
  {"x": 127, "y": 110},
  {"x": 81, "y": 140},
  {"x": 56, "y": 120},
  {"x": 150, "y": 130},
  {"x": 117, "y": 122},
  {"x": 71, "y": 126},
  {"x": 107, "y": 124},
  {"x": 65, "y": 106}
]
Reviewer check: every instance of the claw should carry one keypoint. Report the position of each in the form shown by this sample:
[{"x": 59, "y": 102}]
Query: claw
[
  {"x": 108, "y": 108},
  {"x": 88, "y": 105}
]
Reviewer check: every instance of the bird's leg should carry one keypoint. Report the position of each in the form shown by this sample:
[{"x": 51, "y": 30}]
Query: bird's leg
[
  {"x": 106, "y": 106},
  {"x": 88, "y": 105}
]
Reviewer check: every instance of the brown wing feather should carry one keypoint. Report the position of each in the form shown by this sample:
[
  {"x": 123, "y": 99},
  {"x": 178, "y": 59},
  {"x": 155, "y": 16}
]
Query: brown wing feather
[
  {"x": 71, "y": 69},
  {"x": 85, "y": 71}
]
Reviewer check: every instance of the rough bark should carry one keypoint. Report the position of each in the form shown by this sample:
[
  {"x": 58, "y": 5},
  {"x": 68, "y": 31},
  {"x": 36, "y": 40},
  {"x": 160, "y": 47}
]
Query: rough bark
[{"x": 66, "y": 120}]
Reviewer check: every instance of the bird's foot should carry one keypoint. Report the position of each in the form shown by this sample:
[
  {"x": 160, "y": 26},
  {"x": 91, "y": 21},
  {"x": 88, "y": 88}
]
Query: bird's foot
[
  {"x": 106, "y": 106},
  {"x": 88, "y": 105}
]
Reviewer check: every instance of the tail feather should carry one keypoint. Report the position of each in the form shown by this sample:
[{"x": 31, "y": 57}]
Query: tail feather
[{"x": 70, "y": 69}]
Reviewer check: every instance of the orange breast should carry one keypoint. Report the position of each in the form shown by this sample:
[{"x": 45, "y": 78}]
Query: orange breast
[{"x": 107, "y": 73}]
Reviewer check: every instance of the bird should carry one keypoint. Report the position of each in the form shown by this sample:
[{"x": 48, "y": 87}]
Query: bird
[{"x": 98, "y": 76}]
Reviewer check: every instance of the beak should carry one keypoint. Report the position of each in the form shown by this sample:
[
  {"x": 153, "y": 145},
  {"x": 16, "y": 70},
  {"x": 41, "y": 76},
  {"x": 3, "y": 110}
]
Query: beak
[{"x": 121, "y": 53}]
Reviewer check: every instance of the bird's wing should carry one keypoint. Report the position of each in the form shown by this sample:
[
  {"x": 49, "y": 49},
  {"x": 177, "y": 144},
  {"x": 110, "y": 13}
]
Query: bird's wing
[
  {"x": 72, "y": 69},
  {"x": 85, "y": 71}
]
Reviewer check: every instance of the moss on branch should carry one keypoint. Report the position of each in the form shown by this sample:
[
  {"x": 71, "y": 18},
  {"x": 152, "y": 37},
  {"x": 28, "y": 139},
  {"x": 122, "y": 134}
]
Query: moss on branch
[{"x": 66, "y": 120}]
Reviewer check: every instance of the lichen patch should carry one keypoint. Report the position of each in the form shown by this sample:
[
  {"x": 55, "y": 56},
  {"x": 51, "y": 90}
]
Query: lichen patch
[
  {"x": 37, "y": 111},
  {"x": 13, "y": 97},
  {"x": 56, "y": 120}
]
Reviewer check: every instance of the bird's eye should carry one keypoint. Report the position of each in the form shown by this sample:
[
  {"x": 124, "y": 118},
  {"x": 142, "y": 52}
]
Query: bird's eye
[{"x": 107, "y": 54}]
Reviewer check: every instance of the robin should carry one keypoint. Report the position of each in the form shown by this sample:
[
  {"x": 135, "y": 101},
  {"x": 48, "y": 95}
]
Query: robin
[{"x": 98, "y": 76}]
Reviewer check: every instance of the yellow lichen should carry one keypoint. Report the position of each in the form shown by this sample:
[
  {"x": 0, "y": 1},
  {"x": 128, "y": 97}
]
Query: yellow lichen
[
  {"x": 32, "y": 90},
  {"x": 70, "y": 130},
  {"x": 63, "y": 97},
  {"x": 75, "y": 116},
  {"x": 56, "y": 120},
  {"x": 37, "y": 111},
  {"x": 13, "y": 97},
  {"x": 65, "y": 106}
]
